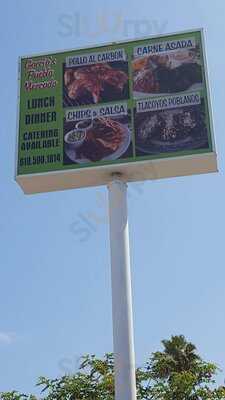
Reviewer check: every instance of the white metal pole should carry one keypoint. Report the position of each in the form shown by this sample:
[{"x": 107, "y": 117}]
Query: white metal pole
[{"x": 123, "y": 339}]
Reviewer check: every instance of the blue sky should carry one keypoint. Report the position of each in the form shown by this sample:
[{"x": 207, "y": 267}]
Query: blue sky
[{"x": 55, "y": 295}]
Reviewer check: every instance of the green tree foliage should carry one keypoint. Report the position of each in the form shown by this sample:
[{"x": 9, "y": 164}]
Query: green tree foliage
[
  {"x": 178, "y": 372},
  {"x": 175, "y": 373}
]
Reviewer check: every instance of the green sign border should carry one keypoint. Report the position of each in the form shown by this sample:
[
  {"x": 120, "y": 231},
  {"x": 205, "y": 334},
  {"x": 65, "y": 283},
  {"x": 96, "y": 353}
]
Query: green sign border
[{"x": 128, "y": 45}]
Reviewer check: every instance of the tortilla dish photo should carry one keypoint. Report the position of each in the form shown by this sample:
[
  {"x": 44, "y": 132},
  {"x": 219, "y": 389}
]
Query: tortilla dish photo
[{"x": 171, "y": 130}]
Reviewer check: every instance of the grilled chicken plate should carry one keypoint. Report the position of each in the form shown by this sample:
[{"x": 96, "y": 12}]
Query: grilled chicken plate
[{"x": 93, "y": 80}]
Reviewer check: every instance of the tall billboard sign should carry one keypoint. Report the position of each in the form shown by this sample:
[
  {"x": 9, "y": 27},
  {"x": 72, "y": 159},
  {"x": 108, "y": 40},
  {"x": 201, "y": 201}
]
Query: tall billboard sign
[{"x": 140, "y": 108}]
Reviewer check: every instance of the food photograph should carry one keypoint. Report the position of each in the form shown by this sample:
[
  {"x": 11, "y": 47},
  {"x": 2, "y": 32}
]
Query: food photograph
[
  {"x": 95, "y": 83},
  {"x": 167, "y": 73},
  {"x": 99, "y": 139},
  {"x": 171, "y": 130}
]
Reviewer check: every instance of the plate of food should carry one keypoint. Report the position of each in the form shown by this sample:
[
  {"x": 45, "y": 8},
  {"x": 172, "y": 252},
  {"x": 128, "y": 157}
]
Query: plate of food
[
  {"x": 172, "y": 130},
  {"x": 164, "y": 74},
  {"x": 95, "y": 83},
  {"x": 106, "y": 139}
]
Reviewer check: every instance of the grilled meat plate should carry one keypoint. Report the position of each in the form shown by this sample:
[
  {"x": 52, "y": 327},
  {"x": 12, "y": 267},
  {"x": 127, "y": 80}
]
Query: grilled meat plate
[
  {"x": 160, "y": 74},
  {"x": 93, "y": 79}
]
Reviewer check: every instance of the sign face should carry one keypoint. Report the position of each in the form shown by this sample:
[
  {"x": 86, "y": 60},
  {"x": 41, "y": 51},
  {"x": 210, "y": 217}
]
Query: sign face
[{"x": 140, "y": 108}]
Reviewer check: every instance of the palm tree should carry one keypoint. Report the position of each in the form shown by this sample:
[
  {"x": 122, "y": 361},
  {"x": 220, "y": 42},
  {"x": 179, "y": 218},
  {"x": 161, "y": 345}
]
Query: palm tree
[{"x": 178, "y": 355}]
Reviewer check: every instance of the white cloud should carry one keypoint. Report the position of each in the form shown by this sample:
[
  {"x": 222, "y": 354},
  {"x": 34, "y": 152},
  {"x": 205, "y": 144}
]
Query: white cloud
[{"x": 7, "y": 337}]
